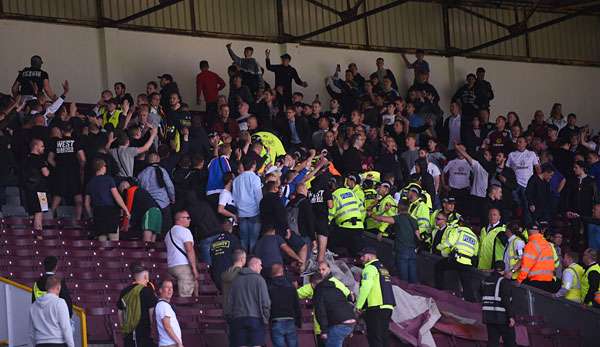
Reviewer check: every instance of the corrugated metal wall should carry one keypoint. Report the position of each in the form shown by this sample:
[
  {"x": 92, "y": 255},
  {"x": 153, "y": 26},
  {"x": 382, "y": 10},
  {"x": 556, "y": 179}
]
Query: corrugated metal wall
[{"x": 416, "y": 24}]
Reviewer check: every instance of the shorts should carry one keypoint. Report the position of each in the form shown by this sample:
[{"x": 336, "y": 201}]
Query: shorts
[
  {"x": 106, "y": 220},
  {"x": 185, "y": 279},
  {"x": 32, "y": 202},
  {"x": 295, "y": 242},
  {"x": 152, "y": 220},
  {"x": 247, "y": 331},
  {"x": 322, "y": 226},
  {"x": 66, "y": 185}
]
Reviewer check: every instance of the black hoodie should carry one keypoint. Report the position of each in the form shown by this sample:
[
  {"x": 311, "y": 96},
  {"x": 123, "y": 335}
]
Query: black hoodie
[
  {"x": 331, "y": 307},
  {"x": 284, "y": 300}
]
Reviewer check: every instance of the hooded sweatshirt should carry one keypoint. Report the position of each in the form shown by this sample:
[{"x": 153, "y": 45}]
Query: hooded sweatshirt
[
  {"x": 248, "y": 297},
  {"x": 49, "y": 316}
]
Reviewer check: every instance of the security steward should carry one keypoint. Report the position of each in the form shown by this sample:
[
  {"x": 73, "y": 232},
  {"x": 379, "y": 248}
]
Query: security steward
[
  {"x": 371, "y": 198},
  {"x": 496, "y": 308},
  {"x": 346, "y": 211},
  {"x": 590, "y": 282},
  {"x": 417, "y": 208},
  {"x": 387, "y": 207},
  {"x": 440, "y": 232},
  {"x": 448, "y": 207},
  {"x": 353, "y": 183},
  {"x": 375, "y": 298},
  {"x": 460, "y": 254},
  {"x": 571, "y": 279},
  {"x": 492, "y": 241},
  {"x": 537, "y": 264}
]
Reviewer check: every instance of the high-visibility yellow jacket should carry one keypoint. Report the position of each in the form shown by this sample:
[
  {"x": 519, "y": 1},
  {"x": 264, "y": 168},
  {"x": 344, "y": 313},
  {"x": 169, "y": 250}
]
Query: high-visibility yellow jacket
[
  {"x": 491, "y": 248},
  {"x": 462, "y": 244},
  {"x": 347, "y": 209}
]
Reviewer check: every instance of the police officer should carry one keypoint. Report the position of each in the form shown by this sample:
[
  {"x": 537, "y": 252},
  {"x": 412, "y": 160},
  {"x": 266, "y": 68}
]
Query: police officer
[
  {"x": 590, "y": 282},
  {"x": 496, "y": 308},
  {"x": 449, "y": 208},
  {"x": 460, "y": 254},
  {"x": 571, "y": 279},
  {"x": 345, "y": 212},
  {"x": 375, "y": 298},
  {"x": 50, "y": 264},
  {"x": 370, "y": 200},
  {"x": 417, "y": 208},
  {"x": 386, "y": 206}
]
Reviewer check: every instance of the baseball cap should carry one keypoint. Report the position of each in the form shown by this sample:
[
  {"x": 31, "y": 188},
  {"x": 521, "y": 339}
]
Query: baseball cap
[
  {"x": 415, "y": 190},
  {"x": 534, "y": 226},
  {"x": 352, "y": 177},
  {"x": 165, "y": 76},
  {"x": 449, "y": 200},
  {"x": 367, "y": 250},
  {"x": 386, "y": 184}
]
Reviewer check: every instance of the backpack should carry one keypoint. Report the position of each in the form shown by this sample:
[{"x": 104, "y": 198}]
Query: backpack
[{"x": 292, "y": 216}]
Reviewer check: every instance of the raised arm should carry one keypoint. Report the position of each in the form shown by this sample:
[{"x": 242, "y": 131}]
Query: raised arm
[
  {"x": 148, "y": 143},
  {"x": 237, "y": 60}
]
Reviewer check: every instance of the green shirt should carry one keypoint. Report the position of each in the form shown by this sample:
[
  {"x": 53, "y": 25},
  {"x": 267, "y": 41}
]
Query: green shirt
[{"x": 404, "y": 228}]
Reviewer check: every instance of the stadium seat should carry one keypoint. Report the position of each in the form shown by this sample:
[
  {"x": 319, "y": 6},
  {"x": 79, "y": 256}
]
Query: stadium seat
[
  {"x": 15, "y": 215},
  {"x": 99, "y": 326}
]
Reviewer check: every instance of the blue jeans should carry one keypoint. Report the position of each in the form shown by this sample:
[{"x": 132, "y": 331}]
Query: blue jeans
[
  {"x": 204, "y": 246},
  {"x": 249, "y": 232},
  {"x": 406, "y": 263},
  {"x": 283, "y": 333},
  {"x": 521, "y": 199},
  {"x": 337, "y": 334}
]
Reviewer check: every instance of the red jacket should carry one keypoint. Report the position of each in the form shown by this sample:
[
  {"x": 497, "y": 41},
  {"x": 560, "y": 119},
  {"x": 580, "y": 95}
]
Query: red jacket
[{"x": 209, "y": 84}]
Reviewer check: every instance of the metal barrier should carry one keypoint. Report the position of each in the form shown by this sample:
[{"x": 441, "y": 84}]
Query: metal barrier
[{"x": 559, "y": 314}]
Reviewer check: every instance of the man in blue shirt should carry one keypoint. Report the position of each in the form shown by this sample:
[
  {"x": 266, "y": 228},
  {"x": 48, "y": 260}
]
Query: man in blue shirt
[{"x": 247, "y": 194}]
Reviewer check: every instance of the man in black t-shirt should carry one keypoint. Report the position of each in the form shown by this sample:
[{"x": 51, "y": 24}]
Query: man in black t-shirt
[
  {"x": 32, "y": 80},
  {"x": 34, "y": 176},
  {"x": 142, "y": 295},
  {"x": 67, "y": 158},
  {"x": 320, "y": 193},
  {"x": 221, "y": 252}
]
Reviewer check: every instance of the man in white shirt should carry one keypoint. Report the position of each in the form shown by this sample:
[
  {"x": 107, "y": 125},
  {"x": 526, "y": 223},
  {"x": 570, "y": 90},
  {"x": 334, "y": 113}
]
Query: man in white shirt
[
  {"x": 458, "y": 171},
  {"x": 454, "y": 125},
  {"x": 480, "y": 178},
  {"x": 169, "y": 332},
  {"x": 432, "y": 169},
  {"x": 523, "y": 162},
  {"x": 181, "y": 257}
]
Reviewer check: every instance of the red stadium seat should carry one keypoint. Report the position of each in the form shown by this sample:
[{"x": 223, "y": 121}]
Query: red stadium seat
[
  {"x": 19, "y": 242},
  {"x": 99, "y": 326},
  {"x": 79, "y": 244},
  {"x": 99, "y": 288},
  {"x": 49, "y": 243}
]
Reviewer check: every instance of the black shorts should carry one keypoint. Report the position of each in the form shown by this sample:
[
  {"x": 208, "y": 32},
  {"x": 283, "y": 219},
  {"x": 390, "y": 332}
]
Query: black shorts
[
  {"x": 106, "y": 220},
  {"x": 295, "y": 242},
  {"x": 32, "y": 202},
  {"x": 322, "y": 226},
  {"x": 66, "y": 185}
]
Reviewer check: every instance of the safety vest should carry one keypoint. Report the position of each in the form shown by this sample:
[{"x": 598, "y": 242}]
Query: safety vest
[
  {"x": 347, "y": 209},
  {"x": 380, "y": 210},
  {"x": 462, "y": 244},
  {"x": 439, "y": 237},
  {"x": 361, "y": 196},
  {"x": 420, "y": 212},
  {"x": 380, "y": 295},
  {"x": 453, "y": 217},
  {"x": 37, "y": 293},
  {"x": 491, "y": 248},
  {"x": 374, "y": 176},
  {"x": 113, "y": 119},
  {"x": 585, "y": 284},
  {"x": 491, "y": 301},
  {"x": 555, "y": 256},
  {"x": 307, "y": 292},
  {"x": 574, "y": 292},
  {"x": 537, "y": 263},
  {"x": 513, "y": 256},
  {"x": 370, "y": 201}
]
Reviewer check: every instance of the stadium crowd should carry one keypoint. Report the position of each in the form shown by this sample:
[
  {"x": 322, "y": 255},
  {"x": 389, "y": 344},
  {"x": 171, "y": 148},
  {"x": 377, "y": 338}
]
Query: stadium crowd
[{"x": 266, "y": 178}]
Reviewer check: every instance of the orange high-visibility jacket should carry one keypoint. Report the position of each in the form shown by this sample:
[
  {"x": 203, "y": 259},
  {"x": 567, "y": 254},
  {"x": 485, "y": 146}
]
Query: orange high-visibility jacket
[{"x": 537, "y": 263}]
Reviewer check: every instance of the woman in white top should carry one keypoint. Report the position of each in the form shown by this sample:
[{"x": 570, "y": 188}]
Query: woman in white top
[{"x": 226, "y": 207}]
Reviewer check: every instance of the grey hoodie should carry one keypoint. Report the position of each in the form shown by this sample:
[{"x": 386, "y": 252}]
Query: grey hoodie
[
  {"x": 50, "y": 323},
  {"x": 248, "y": 297}
]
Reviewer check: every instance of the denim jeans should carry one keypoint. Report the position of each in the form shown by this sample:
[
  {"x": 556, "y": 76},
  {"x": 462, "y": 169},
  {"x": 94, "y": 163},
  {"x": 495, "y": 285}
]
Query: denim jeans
[
  {"x": 283, "y": 333},
  {"x": 406, "y": 263},
  {"x": 249, "y": 232},
  {"x": 521, "y": 199},
  {"x": 336, "y": 335},
  {"x": 204, "y": 246}
]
